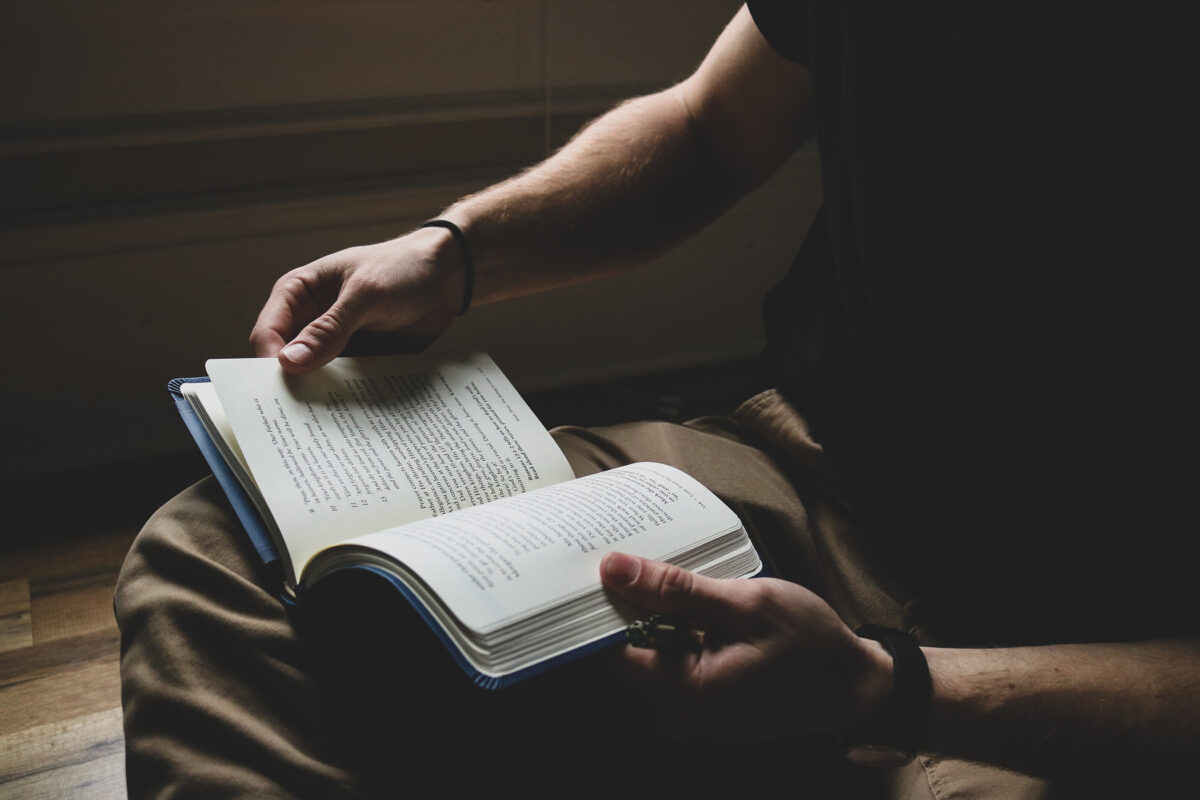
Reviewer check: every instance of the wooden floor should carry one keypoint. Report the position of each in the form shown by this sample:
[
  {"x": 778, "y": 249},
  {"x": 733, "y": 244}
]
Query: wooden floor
[{"x": 60, "y": 694}]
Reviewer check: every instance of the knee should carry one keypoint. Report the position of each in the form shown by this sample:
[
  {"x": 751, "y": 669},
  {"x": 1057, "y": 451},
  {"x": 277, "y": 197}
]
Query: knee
[{"x": 187, "y": 550}]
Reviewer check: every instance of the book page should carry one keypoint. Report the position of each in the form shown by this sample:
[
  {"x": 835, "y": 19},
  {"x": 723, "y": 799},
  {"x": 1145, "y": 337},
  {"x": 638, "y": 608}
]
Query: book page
[
  {"x": 493, "y": 563},
  {"x": 203, "y": 398},
  {"x": 365, "y": 444}
]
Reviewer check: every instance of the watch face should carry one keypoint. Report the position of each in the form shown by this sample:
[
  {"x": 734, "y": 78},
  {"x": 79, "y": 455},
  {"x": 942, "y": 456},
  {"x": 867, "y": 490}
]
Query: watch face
[{"x": 879, "y": 755}]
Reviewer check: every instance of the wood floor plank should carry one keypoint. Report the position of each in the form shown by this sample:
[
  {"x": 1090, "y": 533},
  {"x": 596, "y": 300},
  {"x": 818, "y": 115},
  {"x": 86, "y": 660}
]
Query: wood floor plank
[
  {"x": 98, "y": 779},
  {"x": 100, "y": 552},
  {"x": 53, "y": 657},
  {"x": 82, "y": 607},
  {"x": 60, "y": 696},
  {"x": 44, "y": 748},
  {"x": 16, "y": 628}
]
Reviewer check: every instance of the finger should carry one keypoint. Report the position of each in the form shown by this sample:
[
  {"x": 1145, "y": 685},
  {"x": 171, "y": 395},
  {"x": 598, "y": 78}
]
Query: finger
[
  {"x": 659, "y": 674},
  {"x": 274, "y": 327},
  {"x": 666, "y": 589},
  {"x": 266, "y": 342},
  {"x": 288, "y": 308},
  {"x": 323, "y": 339},
  {"x": 672, "y": 683}
]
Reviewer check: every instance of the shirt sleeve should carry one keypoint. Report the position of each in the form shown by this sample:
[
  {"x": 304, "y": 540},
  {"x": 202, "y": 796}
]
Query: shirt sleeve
[{"x": 784, "y": 24}]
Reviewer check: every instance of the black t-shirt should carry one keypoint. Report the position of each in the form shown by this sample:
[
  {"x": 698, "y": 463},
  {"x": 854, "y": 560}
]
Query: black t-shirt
[{"x": 988, "y": 325}]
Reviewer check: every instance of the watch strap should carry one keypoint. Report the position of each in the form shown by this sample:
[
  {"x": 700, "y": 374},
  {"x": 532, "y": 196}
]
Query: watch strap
[{"x": 901, "y": 726}]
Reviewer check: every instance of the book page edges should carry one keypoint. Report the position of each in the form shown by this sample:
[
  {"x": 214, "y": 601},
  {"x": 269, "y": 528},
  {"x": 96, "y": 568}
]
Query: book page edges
[{"x": 243, "y": 508}]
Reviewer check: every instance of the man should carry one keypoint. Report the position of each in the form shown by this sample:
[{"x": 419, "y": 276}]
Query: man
[{"x": 967, "y": 468}]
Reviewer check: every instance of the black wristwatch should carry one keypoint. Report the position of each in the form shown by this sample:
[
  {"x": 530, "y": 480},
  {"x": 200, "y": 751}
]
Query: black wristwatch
[{"x": 893, "y": 738}]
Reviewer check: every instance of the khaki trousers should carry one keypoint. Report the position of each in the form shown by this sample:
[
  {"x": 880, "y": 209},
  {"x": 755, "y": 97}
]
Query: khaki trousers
[{"x": 227, "y": 691}]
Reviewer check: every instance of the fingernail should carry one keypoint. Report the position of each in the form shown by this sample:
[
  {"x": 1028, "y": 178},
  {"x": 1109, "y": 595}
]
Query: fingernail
[
  {"x": 621, "y": 569},
  {"x": 297, "y": 353}
]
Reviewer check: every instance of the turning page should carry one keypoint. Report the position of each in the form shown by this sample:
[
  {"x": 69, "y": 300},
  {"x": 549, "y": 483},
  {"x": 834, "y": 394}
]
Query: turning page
[{"x": 365, "y": 444}]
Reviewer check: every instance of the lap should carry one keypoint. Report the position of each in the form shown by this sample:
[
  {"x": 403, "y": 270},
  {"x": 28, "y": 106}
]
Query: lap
[{"x": 227, "y": 690}]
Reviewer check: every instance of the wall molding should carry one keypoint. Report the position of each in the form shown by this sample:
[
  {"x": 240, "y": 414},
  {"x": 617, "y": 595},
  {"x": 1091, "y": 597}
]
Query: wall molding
[{"x": 146, "y": 168}]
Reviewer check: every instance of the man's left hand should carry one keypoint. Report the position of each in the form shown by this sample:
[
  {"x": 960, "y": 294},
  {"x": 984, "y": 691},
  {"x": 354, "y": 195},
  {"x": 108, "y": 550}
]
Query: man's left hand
[{"x": 776, "y": 659}]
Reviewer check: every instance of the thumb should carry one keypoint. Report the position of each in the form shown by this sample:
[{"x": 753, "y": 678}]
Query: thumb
[
  {"x": 321, "y": 340},
  {"x": 667, "y": 589}
]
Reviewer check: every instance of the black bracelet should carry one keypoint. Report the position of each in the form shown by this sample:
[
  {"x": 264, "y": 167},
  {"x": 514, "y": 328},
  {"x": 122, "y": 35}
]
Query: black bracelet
[
  {"x": 896, "y": 736},
  {"x": 468, "y": 264}
]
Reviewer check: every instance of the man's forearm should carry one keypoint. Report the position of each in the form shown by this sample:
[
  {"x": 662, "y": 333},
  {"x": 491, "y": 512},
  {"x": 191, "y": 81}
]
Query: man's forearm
[
  {"x": 629, "y": 186},
  {"x": 645, "y": 176},
  {"x": 1088, "y": 710}
]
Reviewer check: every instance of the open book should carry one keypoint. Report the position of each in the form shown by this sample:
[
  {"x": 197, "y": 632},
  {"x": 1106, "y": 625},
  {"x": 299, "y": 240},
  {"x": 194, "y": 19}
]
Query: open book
[{"x": 435, "y": 475}]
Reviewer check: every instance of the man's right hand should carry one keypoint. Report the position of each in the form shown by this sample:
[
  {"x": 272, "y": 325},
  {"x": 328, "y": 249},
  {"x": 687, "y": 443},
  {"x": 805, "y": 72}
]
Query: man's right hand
[{"x": 411, "y": 286}]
